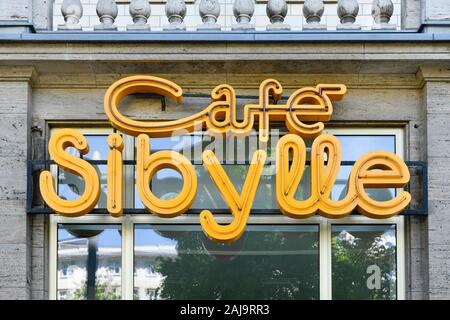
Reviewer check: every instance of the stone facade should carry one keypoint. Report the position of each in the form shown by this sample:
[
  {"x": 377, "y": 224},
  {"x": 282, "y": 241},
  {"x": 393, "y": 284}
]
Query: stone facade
[
  {"x": 15, "y": 93},
  {"x": 403, "y": 84}
]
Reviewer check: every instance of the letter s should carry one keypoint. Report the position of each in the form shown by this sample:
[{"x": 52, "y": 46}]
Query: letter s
[{"x": 71, "y": 208}]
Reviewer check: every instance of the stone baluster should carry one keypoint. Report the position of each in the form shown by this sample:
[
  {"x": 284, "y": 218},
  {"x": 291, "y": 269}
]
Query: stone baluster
[
  {"x": 107, "y": 12},
  {"x": 276, "y": 11},
  {"x": 72, "y": 11},
  {"x": 175, "y": 12},
  {"x": 243, "y": 11},
  {"x": 382, "y": 11},
  {"x": 347, "y": 11},
  {"x": 209, "y": 12},
  {"x": 313, "y": 11},
  {"x": 140, "y": 12}
]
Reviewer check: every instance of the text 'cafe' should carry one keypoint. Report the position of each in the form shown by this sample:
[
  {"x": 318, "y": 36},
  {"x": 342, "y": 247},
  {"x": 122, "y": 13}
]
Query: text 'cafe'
[{"x": 178, "y": 150}]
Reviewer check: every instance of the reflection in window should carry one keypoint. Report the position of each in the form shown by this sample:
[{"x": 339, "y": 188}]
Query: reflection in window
[
  {"x": 135, "y": 293},
  {"x": 364, "y": 262},
  {"x": 89, "y": 260},
  {"x": 62, "y": 294},
  {"x": 354, "y": 147},
  {"x": 267, "y": 262},
  {"x": 71, "y": 186}
]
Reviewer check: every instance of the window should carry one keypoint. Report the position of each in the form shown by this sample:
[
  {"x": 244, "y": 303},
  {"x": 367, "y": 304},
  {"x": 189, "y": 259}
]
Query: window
[
  {"x": 71, "y": 186},
  {"x": 92, "y": 250},
  {"x": 141, "y": 256},
  {"x": 364, "y": 261},
  {"x": 135, "y": 293},
  {"x": 150, "y": 294},
  {"x": 267, "y": 262},
  {"x": 114, "y": 267},
  {"x": 62, "y": 294}
]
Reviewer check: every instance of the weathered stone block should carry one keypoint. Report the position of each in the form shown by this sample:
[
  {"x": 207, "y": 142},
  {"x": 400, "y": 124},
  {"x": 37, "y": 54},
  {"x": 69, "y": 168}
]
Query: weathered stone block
[
  {"x": 439, "y": 271},
  {"x": 39, "y": 295},
  {"x": 14, "y": 183},
  {"x": 438, "y": 135},
  {"x": 439, "y": 178},
  {"x": 13, "y": 229},
  {"x": 15, "y": 10},
  {"x": 437, "y": 10},
  {"x": 13, "y": 272},
  {"x": 438, "y": 96},
  {"x": 411, "y": 14},
  {"x": 13, "y": 293},
  {"x": 12, "y": 207},
  {"x": 378, "y": 104},
  {"x": 13, "y": 97},
  {"x": 13, "y": 136},
  {"x": 438, "y": 223}
]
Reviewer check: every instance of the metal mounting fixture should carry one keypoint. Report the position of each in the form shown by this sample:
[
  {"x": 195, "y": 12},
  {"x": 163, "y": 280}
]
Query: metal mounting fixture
[{"x": 418, "y": 170}]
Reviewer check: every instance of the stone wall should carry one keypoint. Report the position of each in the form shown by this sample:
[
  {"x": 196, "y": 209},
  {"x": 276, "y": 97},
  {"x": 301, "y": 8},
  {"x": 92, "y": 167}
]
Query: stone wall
[
  {"x": 437, "y": 97},
  {"x": 15, "y": 97}
]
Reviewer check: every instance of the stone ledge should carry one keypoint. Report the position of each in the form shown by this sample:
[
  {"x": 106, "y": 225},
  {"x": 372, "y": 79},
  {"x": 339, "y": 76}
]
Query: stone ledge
[{"x": 17, "y": 73}]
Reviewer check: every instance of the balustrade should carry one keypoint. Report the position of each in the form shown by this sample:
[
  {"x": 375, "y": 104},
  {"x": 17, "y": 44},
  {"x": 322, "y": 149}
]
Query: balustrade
[{"x": 279, "y": 13}]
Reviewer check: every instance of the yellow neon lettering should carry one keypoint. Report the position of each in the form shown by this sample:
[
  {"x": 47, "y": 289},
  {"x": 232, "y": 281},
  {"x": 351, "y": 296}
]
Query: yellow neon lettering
[
  {"x": 71, "y": 208},
  {"x": 392, "y": 172},
  {"x": 303, "y": 115},
  {"x": 115, "y": 176},
  {"x": 307, "y": 104},
  {"x": 240, "y": 205},
  {"x": 146, "y": 167}
]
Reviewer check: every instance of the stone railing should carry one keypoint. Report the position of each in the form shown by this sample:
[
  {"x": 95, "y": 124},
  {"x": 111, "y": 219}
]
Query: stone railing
[{"x": 209, "y": 13}]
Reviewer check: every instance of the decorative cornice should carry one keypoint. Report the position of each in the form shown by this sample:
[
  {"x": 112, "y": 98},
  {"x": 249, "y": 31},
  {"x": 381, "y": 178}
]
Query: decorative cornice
[
  {"x": 243, "y": 81},
  {"x": 347, "y": 36},
  {"x": 430, "y": 73},
  {"x": 17, "y": 24}
]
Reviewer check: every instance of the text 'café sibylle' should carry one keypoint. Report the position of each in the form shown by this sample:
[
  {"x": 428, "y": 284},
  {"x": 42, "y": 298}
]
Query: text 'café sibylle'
[{"x": 178, "y": 150}]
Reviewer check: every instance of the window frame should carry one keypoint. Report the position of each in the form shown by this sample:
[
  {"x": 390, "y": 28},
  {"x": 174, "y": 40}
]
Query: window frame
[{"x": 325, "y": 225}]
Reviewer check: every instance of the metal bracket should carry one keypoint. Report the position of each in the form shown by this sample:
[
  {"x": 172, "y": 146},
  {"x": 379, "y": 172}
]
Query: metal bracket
[{"x": 35, "y": 166}]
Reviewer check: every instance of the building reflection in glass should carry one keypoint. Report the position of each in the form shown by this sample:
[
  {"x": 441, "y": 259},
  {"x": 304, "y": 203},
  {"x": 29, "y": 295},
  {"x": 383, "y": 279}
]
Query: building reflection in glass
[
  {"x": 89, "y": 262},
  {"x": 267, "y": 262},
  {"x": 71, "y": 186}
]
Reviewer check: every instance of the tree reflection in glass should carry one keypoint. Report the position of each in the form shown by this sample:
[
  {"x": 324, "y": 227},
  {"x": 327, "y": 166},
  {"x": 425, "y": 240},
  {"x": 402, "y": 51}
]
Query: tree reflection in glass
[
  {"x": 364, "y": 262},
  {"x": 267, "y": 262}
]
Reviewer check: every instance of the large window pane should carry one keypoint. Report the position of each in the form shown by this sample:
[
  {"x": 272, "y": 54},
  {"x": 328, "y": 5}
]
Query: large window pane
[
  {"x": 267, "y": 262},
  {"x": 364, "y": 262},
  {"x": 71, "y": 186},
  {"x": 89, "y": 262}
]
